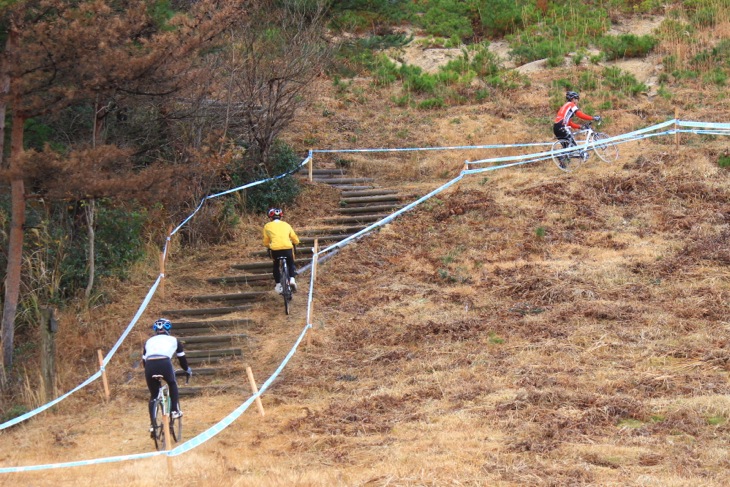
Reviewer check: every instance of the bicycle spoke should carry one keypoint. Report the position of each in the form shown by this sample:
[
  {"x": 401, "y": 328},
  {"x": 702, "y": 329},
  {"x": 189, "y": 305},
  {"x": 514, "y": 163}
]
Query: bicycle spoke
[
  {"x": 606, "y": 151},
  {"x": 565, "y": 162},
  {"x": 159, "y": 425}
]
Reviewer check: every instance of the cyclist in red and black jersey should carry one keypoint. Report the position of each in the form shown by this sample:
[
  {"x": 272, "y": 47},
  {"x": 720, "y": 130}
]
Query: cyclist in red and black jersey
[{"x": 563, "y": 119}]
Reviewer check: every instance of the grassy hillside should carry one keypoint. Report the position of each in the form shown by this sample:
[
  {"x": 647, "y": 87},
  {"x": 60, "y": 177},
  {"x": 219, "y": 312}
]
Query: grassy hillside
[{"x": 528, "y": 327}]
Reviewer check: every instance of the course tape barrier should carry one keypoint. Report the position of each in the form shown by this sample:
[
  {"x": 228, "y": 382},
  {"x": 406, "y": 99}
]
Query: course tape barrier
[
  {"x": 147, "y": 299},
  {"x": 223, "y": 423},
  {"x": 191, "y": 443},
  {"x": 95, "y": 376},
  {"x": 241, "y": 188},
  {"x": 414, "y": 149},
  {"x": 42, "y": 408},
  {"x": 697, "y": 128}
]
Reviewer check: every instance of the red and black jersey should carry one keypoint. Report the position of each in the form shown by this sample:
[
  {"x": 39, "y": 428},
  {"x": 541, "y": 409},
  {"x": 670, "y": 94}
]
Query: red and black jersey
[{"x": 567, "y": 112}]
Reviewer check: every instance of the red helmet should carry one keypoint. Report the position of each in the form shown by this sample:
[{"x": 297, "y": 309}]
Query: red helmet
[{"x": 275, "y": 213}]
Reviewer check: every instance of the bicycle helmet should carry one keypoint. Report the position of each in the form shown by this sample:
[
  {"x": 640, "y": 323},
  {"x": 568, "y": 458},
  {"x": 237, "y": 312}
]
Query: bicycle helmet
[
  {"x": 275, "y": 213},
  {"x": 162, "y": 325},
  {"x": 572, "y": 95}
]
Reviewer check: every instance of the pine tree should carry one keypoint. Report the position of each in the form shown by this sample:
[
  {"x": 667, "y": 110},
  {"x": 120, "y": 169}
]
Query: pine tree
[{"x": 60, "y": 53}]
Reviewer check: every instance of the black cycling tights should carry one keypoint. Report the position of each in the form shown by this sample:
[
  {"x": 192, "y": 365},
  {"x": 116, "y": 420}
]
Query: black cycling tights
[{"x": 164, "y": 368}]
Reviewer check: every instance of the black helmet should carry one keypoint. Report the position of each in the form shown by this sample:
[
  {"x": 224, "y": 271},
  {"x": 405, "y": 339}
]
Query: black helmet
[
  {"x": 572, "y": 95},
  {"x": 162, "y": 325}
]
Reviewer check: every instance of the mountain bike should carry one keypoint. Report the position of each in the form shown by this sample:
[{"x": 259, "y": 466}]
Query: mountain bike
[
  {"x": 161, "y": 414},
  {"x": 593, "y": 141},
  {"x": 284, "y": 276}
]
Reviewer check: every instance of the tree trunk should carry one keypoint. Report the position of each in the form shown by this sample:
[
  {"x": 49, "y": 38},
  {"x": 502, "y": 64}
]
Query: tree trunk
[
  {"x": 48, "y": 353},
  {"x": 90, "y": 212},
  {"x": 4, "y": 87},
  {"x": 15, "y": 242}
]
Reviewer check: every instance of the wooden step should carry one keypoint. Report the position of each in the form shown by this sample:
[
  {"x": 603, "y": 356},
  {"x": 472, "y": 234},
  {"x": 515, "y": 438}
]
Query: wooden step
[
  {"x": 333, "y": 230},
  {"x": 352, "y": 187},
  {"x": 189, "y": 391},
  {"x": 368, "y": 192},
  {"x": 369, "y": 209},
  {"x": 250, "y": 279},
  {"x": 322, "y": 238},
  {"x": 249, "y": 296},
  {"x": 369, "y": 199},
  {"x": 257, "y": 268},
  {"x": 206, "y": 311},
  {"x": 187, "y": 328},
  {"x": 202, "y": 340},
  {"x": 210, "y": 357},
  {"x": 358, "y": 218},
  {"x": 223, "y": 352},
  {"x": 323, "y": 172},
  {"x": 300, "y": 251},
  {"x": 343, "y": 180}
]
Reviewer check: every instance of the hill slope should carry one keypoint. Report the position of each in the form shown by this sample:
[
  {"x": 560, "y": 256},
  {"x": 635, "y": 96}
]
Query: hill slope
[{"x": 526, "y": 328}]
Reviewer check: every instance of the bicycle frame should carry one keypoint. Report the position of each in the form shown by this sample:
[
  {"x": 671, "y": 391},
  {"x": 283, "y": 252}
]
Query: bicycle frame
[
  {"x": 581, "y": 149},
  {"x": 588, "y": 139},
  {"x": 164, "y": 428}
]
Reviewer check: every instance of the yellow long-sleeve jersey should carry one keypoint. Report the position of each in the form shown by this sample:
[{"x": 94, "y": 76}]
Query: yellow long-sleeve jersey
[{"x": 279, "y": 235}]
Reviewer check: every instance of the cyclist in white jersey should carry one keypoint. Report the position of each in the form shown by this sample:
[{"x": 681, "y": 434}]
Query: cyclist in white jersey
[{"x": 157, "y": 360}]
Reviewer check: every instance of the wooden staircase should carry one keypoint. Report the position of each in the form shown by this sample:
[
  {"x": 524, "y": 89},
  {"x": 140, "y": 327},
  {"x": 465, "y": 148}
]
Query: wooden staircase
[{"x": 214, "y": 343}]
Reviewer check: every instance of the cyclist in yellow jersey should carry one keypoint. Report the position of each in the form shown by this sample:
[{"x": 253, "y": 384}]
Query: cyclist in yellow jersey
[{"x": 280, "y": 239}]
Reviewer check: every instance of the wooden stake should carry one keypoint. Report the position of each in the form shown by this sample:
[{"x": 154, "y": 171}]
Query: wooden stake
[
  {"x": 49, "y": 326},
  {"x": 168, "y": 441},
  {"x": 466, "y": 166},
  {"x": 676, "y": 128},
  {"x": 103, "y": 374},
  {"x": 255, "y": 390},
  {"x": 311, "y": 166},
  {"x": 315, "y": 261},
  {"x": 163, "y": 258},
  {"x": 162, "y": 273}
]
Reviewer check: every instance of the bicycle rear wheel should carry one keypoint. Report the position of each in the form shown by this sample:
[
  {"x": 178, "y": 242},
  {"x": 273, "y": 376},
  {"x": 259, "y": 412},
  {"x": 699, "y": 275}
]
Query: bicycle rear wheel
[
  {"x": 564, "y": 161},
  {"x": 606, "y": 151},
  {"x": 158, "y": 425},
  {"x": 285, "y": 286}
]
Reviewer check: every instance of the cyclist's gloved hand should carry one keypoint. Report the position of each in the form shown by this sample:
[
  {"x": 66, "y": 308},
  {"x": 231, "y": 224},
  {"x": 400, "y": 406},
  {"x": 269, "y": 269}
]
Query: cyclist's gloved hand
[
  {"x": 189, "y": 372},
  {"x": 597, "y": 118}
]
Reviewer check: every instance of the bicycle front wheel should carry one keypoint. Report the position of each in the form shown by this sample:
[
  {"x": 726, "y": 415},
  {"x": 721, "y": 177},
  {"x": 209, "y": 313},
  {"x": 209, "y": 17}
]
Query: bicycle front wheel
[
  {"x": 564, "y": 161},
  {"x": 606, "y": 151},
  {"x": 158, "y": 425}
]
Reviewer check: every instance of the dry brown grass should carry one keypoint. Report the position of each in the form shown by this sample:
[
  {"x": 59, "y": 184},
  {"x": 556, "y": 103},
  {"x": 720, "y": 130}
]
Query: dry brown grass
[{"x": 525, "y": 328}]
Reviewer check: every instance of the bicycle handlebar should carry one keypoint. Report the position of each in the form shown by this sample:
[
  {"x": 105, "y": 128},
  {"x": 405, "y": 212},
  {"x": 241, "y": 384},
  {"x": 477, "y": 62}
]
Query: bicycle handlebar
[{"x": 181, "y": 372}]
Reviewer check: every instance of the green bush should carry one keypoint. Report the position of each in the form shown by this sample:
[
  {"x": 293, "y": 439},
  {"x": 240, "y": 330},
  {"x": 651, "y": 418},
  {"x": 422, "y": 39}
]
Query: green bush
[
  {"x": 416, "y": 81},
  {"x": 431, "y": 103},
  {"x": 702, "y": 13},
  {"x": 361, "y": 15},
  {"x": 724, "y": 161},
  {"x": 622, "y": 82},
  {"x": 717, "y": 57},
  {"x": 447, "y": 18},
  {"x": 483, "y": 61},
  {"x": 119, "y": 244},
  {"x": 627, "y": 46},
  {"x": 278, "y": 192},
  {"x": 555, "y": 61},
  {"x": 499, "y": 17},
  {"x": 533, "y": 49},
  {"x": 717, "y": 77}
]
